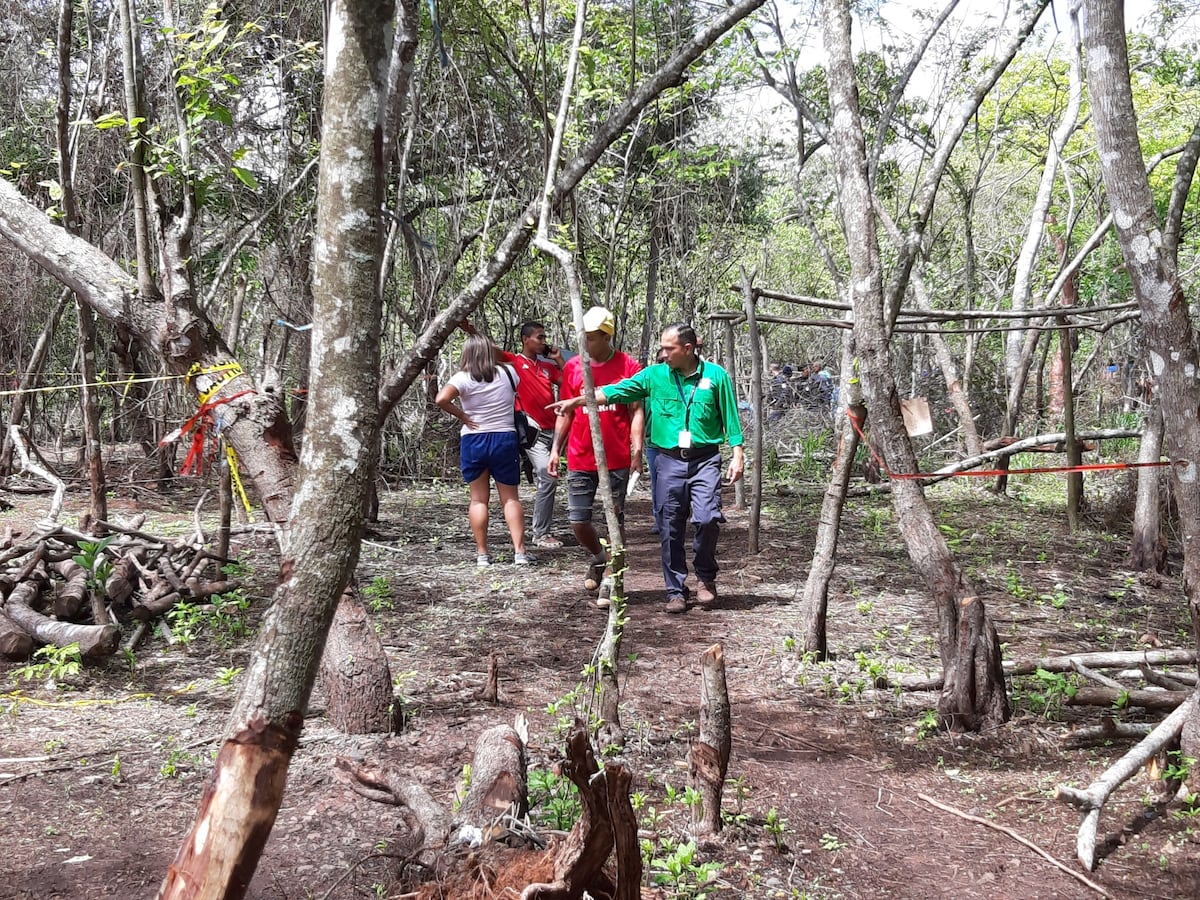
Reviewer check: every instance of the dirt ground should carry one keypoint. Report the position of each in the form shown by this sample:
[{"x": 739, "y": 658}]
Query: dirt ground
[{"x": 829, "y": 778}]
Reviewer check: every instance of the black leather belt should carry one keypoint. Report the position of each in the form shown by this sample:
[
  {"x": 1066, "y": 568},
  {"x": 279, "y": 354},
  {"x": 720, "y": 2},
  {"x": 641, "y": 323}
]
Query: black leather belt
[{"x": 689, "y": 454}]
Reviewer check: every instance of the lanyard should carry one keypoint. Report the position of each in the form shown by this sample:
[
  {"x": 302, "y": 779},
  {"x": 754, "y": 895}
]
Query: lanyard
[{"x": 687, "y": 401}]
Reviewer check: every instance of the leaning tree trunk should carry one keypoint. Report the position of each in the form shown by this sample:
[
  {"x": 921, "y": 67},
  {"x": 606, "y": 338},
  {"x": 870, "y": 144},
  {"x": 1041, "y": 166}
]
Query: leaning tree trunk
[
  {"x": 238, "y": 809},
  {"x": 1169, "y": 339},
  {"x": 815, "y": 607},
  {"x": 973, "y": 695}
]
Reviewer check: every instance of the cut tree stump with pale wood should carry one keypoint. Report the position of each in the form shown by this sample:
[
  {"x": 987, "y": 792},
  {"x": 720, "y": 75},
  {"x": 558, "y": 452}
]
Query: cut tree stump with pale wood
[{"x": 708, "y": 759}]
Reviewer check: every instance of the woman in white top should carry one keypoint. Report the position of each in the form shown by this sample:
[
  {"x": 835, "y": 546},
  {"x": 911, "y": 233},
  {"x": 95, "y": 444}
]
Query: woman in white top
[{"x": 488, "y": 442}]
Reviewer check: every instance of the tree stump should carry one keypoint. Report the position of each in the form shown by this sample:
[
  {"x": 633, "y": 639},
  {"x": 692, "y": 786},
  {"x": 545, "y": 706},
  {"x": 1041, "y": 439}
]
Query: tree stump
[
  {"x": 974, "y": 694},
  {"x": 708, "y": 759},
  {"x": 355, "y": 671}
]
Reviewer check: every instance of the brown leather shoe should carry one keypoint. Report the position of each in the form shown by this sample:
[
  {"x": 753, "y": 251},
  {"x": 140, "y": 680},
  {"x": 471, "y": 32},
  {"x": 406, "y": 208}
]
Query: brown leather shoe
[
  {"x": 676, "y": 605},
  {"x": 706, "y": 594}
]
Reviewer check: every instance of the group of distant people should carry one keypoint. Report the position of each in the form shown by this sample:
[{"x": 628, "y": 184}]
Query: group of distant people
[
  {"x": 678, "y": 411},
  {"x": 811, "y": 387}
]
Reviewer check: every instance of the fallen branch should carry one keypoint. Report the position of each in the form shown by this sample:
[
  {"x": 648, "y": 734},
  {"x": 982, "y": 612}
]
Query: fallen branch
[
  {"x": 1003, "y": 829},
  {"x": 1064, "y": 663},
  {"x": 1091, "y": 800},
  {"x": 1119, "y": 698},
  {"x": 26, "y": 451},
  {"x": 1109, "y": 729},
  {"x": 1173, "y": 682},
  {"x": 1093, "y": 675},
  {"x": 1102, "y": 660}
]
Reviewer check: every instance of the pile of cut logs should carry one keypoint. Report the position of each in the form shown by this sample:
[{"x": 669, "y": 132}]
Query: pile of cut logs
[{"x": 60, "y": 586}]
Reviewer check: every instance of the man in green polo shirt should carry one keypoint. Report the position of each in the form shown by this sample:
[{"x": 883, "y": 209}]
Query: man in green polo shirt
[{"x": 692, "y": 412}]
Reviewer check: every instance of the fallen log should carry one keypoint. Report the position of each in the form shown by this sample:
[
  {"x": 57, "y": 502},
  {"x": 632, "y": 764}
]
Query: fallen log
[
  {"x": 68, "y": 599},
  {"x": 123, "y": 580},
  {"x": 498, "y": 782},
  {"x": 708, "y": 758},
  {"x": 95, "y": 641},
  {"x": 15, "y": 642},
  {"x": 1091, "y": 800},
  {"x": 1161, "y": 679},
  {"x": 1113, "y": 698},
  {"x": 1102, "y": 660}
]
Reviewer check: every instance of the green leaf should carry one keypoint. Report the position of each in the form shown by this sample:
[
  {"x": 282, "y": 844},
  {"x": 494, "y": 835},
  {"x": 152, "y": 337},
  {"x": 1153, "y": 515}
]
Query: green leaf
[
  {"x": 109, "y": 120},
  {"x": 245, "y": 176}
]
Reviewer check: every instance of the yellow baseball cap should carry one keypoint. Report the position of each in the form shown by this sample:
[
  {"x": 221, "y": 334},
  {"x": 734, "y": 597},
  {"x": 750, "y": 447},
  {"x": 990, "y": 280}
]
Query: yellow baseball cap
[{"x": 598, "y": 319}]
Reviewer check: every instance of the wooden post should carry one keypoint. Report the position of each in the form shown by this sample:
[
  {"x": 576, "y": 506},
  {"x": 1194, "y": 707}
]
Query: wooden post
[
  {"x": 757, "y": 411},
  {"x": 739, "y": 489},
  {"x": 708, "y": 760}
]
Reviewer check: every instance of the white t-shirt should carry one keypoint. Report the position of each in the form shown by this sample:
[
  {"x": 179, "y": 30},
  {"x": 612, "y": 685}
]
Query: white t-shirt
[{"x": 489, "y": 403}]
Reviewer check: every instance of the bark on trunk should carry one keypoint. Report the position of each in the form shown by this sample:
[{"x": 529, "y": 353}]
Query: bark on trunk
[
  {"x": 974, "y": 693},
  {"x": 816, "y": 587},
  {"x": 1169, "y": 338},
  {"x": 1147, "y": 548},
  {"x": 355, "y": 670},
  {"x": 219, "y": 855},
  {"x": 708, "y": 760}
]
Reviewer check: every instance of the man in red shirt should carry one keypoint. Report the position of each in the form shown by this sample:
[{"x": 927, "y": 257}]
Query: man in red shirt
[
  {"x": 535, "y": 392},
  {"x": 622, "y": 429}
]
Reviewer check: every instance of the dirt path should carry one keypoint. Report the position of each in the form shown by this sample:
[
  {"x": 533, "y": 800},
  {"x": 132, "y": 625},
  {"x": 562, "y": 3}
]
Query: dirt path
[{"x": 98, "y": 782}]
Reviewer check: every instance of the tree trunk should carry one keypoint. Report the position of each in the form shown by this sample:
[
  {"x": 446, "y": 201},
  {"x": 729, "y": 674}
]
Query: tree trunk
[
  {"x": 32, "y": 372},
  {"x": 221, "y": 852},
  {"x": 820, "y": 572},
  {"x": 355, "y": 671},
  {"x": 1169, "y": 340},
  {"x": 1148, "y": 549},
  {"x": 987, "y": 703}
]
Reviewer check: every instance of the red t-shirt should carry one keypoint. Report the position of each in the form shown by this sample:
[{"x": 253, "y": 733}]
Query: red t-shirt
[
  {"x": 615, "y": 418},
  {"x": 536, "y": 388}
]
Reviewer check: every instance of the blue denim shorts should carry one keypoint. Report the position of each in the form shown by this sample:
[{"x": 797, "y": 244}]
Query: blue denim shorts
[{"x": 490, "y": 451}]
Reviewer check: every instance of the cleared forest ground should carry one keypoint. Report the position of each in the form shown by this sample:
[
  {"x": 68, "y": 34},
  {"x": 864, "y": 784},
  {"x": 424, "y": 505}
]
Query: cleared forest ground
[{"x": 99, "y": 775}]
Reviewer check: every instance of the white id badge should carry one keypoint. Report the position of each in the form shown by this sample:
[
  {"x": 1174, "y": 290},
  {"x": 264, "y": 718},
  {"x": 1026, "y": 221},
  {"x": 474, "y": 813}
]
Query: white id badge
[{"x": 685, "y": 440}]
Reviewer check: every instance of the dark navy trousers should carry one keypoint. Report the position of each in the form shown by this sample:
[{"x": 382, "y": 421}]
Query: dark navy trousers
[{"x": 688, "y": 490}]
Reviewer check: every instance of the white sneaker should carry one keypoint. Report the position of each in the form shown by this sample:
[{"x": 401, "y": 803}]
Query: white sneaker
[
  {"x": 482, "y": 561},
  {"x": 524, "y": 559}
]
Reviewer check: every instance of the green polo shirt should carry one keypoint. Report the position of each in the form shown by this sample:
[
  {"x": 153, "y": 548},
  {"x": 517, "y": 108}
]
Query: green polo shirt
[{"x": 703, "y": 403}]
